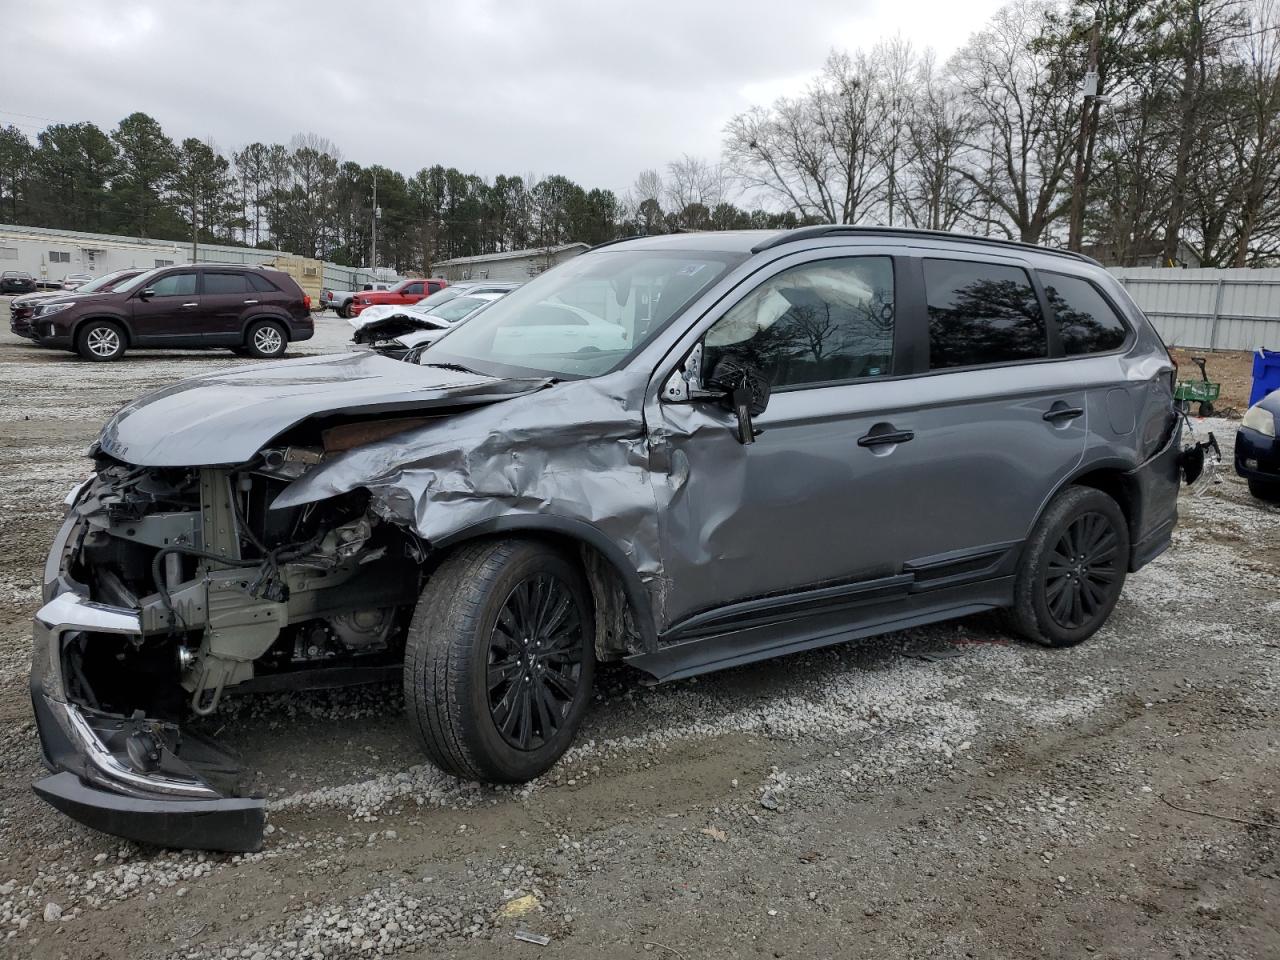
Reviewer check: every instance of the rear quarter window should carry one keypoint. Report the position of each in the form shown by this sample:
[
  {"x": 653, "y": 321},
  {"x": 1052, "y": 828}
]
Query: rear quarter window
[
  {"x": 261, "y": 283},
  {"x": 1086, "y": 322},
  {"x": 981, "y": 314}
]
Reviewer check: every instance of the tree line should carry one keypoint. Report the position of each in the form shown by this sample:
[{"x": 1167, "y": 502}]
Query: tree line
[
  {"x": 1179, "y": 147},
  {"x": 303, "y": 198}
]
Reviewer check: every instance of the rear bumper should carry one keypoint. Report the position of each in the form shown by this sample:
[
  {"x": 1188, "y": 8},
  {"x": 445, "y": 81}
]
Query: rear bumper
[
  {"x": 121, "y": 775},
  {"x": 1154, "y": 486},
  {"x": 1257, "y": 455}
]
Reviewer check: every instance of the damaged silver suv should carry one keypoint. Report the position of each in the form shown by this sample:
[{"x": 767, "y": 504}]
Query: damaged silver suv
[{"x": 684, "y": 452}]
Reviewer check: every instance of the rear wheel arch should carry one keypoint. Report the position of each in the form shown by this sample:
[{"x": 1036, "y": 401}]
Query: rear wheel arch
[
  {"x": 622, "y": 604},
  {"x": 1111, "y": 476}
]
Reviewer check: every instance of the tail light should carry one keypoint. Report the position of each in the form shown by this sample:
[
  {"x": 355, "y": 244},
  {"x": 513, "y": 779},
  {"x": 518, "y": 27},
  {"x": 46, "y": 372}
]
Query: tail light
[{"x": 306, "y": 300}]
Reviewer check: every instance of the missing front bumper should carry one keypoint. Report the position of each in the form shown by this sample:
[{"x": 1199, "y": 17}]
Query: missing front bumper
[{"x": 97, "y": 781}]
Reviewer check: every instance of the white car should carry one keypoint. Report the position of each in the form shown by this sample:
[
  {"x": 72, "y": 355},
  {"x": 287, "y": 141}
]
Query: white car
[
  {"x": 381, "y": 311},
  {"x": 551, "y": 327},
  {"x": 415, "y": 325}
]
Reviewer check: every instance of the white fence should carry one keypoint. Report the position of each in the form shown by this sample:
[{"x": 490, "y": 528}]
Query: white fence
[{"x": 1208, "y": 309}]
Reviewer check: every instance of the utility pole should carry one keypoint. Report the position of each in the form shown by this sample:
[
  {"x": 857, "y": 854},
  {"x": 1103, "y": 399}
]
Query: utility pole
[
  {"x": 1075, "y": 233},
  {"x": 373, "y": 256}
]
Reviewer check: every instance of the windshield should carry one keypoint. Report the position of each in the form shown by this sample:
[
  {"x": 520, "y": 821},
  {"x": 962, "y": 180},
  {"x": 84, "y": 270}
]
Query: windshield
[
  {"x": 585, "y": 317},
  {"x": 443, "y": 296},
  {"x": 104, "y": 282},
  {"x": 140, "y": 280},
  {"x": 459, "y": 307}
]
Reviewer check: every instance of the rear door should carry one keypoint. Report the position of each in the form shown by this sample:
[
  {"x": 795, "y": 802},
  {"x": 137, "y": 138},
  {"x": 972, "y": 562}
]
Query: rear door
[
  {"x": 171, "y": 313},
  {"x": 226, "y": 297},
  {"x": 999, "y": 421}
]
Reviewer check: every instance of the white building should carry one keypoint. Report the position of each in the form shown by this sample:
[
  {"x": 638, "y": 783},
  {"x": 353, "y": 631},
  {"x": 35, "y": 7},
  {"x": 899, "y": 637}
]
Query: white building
[
  {"x": 53, "y": 254},
  {"x": 514, "y": 265}
]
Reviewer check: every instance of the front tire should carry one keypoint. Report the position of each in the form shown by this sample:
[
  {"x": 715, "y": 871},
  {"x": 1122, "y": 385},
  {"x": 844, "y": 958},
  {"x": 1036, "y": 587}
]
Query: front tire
[
  {"x": 266, "y": 340},
  {"x": 100, "y": 341},
  {"x": 1072, "y": 570},
  {"x": 499, "y": 660}
]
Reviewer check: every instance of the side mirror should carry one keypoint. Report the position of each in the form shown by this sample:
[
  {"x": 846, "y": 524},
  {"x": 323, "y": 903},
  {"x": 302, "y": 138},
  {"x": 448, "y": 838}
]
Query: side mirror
[
  {"x": 146, "y": 294},
  {"x": 744, "y": 391}
]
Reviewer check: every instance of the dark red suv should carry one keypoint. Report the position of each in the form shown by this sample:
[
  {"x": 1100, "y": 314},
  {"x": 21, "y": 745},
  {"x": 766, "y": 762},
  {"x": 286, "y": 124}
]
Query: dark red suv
[{"x": 255, "y": 311}]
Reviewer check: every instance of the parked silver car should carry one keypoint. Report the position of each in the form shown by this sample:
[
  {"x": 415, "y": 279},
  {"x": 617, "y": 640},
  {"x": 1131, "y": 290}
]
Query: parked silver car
[{"x": 787, "y": 440}]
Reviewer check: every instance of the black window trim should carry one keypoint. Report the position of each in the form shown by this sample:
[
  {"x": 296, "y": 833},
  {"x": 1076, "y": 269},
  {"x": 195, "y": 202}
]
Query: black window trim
[
  {"x": 1129, "y": 332},
  {"x": 249, "y": 288},
  {"x": 995, "y": 261},
  {"x": 901, "y": 335}
]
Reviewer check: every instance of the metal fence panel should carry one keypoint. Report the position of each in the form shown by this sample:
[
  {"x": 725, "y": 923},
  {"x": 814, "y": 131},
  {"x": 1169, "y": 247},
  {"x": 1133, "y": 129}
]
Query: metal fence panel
[{"x": 1208, "y": 309}]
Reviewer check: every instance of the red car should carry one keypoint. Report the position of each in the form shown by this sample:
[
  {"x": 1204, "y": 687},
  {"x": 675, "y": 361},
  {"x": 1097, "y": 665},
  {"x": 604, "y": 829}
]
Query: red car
[{"x": 406, "y": 291}]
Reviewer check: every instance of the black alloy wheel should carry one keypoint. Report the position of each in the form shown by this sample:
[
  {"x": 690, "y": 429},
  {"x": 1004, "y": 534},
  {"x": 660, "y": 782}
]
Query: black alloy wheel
[
  {"x": 535, "y": 661},
  {"x": 1082, "y": 574}
]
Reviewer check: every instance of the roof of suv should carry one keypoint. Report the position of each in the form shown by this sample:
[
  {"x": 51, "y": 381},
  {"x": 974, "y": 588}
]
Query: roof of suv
[{"x": 757, "y": 241}]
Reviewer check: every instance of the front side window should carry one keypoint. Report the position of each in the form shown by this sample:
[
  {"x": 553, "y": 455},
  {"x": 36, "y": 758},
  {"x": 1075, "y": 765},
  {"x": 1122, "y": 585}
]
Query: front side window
[
  {"x": 1086, "y": 322},
  {"x": 412, "y": 290},
  {"x": 175, "y": 285},
  {"x": 981, "y": 313},
  {"x": 225, "y": 283},
  {"x": 585, "y": 317},
  {"x": 820, "y": 322}
]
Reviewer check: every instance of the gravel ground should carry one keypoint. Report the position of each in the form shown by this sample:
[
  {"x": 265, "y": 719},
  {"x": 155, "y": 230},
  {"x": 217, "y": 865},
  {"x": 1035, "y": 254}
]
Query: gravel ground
[{"x": 940, "y": 793}]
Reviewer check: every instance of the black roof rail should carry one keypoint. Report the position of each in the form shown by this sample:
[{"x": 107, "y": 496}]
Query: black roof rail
[
  {"x": 829, "y": 229},
  {"x": 610, "y": 243}
]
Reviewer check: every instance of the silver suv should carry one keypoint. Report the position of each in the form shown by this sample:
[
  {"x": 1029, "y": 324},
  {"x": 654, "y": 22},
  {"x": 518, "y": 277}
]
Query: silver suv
[{"x": 684, "y": 452}]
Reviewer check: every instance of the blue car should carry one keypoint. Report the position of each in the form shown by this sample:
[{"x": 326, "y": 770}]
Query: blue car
[{"x": 1258, "y": 451}]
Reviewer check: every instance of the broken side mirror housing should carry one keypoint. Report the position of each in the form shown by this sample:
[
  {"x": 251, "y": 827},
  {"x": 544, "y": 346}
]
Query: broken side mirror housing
[{"x": 744, "y": 390}]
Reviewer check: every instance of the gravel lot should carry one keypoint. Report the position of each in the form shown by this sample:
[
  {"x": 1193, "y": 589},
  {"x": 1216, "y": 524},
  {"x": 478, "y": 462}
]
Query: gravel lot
[{"x": 937, "y": 793}]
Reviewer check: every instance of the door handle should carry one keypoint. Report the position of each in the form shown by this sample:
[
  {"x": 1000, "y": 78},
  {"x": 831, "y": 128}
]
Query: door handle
[
  {"x": 251, "y": 301},
  {"x": 191, "y": 304},
  {"x": 1056, "y": 413},
  {"x": 884, "y": 439}
]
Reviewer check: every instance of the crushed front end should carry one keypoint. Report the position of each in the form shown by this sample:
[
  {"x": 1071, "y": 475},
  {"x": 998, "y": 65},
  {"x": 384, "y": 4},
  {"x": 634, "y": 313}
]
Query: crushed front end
[{"x": 168, "y": 586}]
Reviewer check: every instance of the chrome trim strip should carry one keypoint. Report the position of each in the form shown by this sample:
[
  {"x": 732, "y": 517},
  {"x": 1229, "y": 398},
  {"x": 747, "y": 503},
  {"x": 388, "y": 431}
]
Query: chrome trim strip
[
  {"x": 111, "y": 768},
  {"x": 70, "y": 611}
]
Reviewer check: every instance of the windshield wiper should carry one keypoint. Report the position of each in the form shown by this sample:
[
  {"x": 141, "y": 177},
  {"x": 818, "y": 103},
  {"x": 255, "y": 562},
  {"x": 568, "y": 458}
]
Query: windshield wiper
[{"x": 453, "y": 366}]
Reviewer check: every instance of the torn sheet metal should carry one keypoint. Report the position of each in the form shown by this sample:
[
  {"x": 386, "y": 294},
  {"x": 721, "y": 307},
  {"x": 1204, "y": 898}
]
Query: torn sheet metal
[{"x": 575, "y": 452}]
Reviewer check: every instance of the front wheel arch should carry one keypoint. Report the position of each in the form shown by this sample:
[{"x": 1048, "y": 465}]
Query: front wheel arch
[{"x": 613, "y": 569}]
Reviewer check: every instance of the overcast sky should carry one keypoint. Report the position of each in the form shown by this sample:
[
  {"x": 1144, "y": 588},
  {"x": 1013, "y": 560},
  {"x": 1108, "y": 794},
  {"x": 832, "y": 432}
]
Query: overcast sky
[{"x": 596, "y": 91}]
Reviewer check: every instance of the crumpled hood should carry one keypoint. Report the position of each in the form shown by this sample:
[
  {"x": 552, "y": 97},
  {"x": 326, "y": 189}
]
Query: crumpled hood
[
  {"x": 226, "y": 417},
  {"x": 397, "y": 324}
]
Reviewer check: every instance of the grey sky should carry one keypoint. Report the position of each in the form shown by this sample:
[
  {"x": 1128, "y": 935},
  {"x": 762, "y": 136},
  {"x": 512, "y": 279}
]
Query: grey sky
[{"x": 594, "y": 90}]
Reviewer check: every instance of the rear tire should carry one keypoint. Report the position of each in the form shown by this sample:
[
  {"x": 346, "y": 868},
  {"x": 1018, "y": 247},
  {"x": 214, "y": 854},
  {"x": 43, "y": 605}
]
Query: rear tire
[
  {"x": 266, "y": 340},
  {"x": 1266, "y": 490},
  {"x": 100, "y": 341},
  {"x": 499, "y": 660},
  {"x": 1072, "y": 570}
]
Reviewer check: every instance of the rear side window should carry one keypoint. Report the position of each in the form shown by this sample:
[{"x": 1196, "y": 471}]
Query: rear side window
[
  {"x": 1086, "y": 322},
  {"x": 260, "y": 283},
  {"x": 820, "y": 322},
  {"x": 215, "y": 283},
  {"x": 981, "y": 313}
]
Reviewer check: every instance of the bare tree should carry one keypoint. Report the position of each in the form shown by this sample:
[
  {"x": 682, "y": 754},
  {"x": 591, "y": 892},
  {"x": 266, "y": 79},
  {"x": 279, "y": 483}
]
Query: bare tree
[
  {"x": 1021, "y": 143},
  {"x": 934, "y": 194},
  {"x": 818, "y": 154}
]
